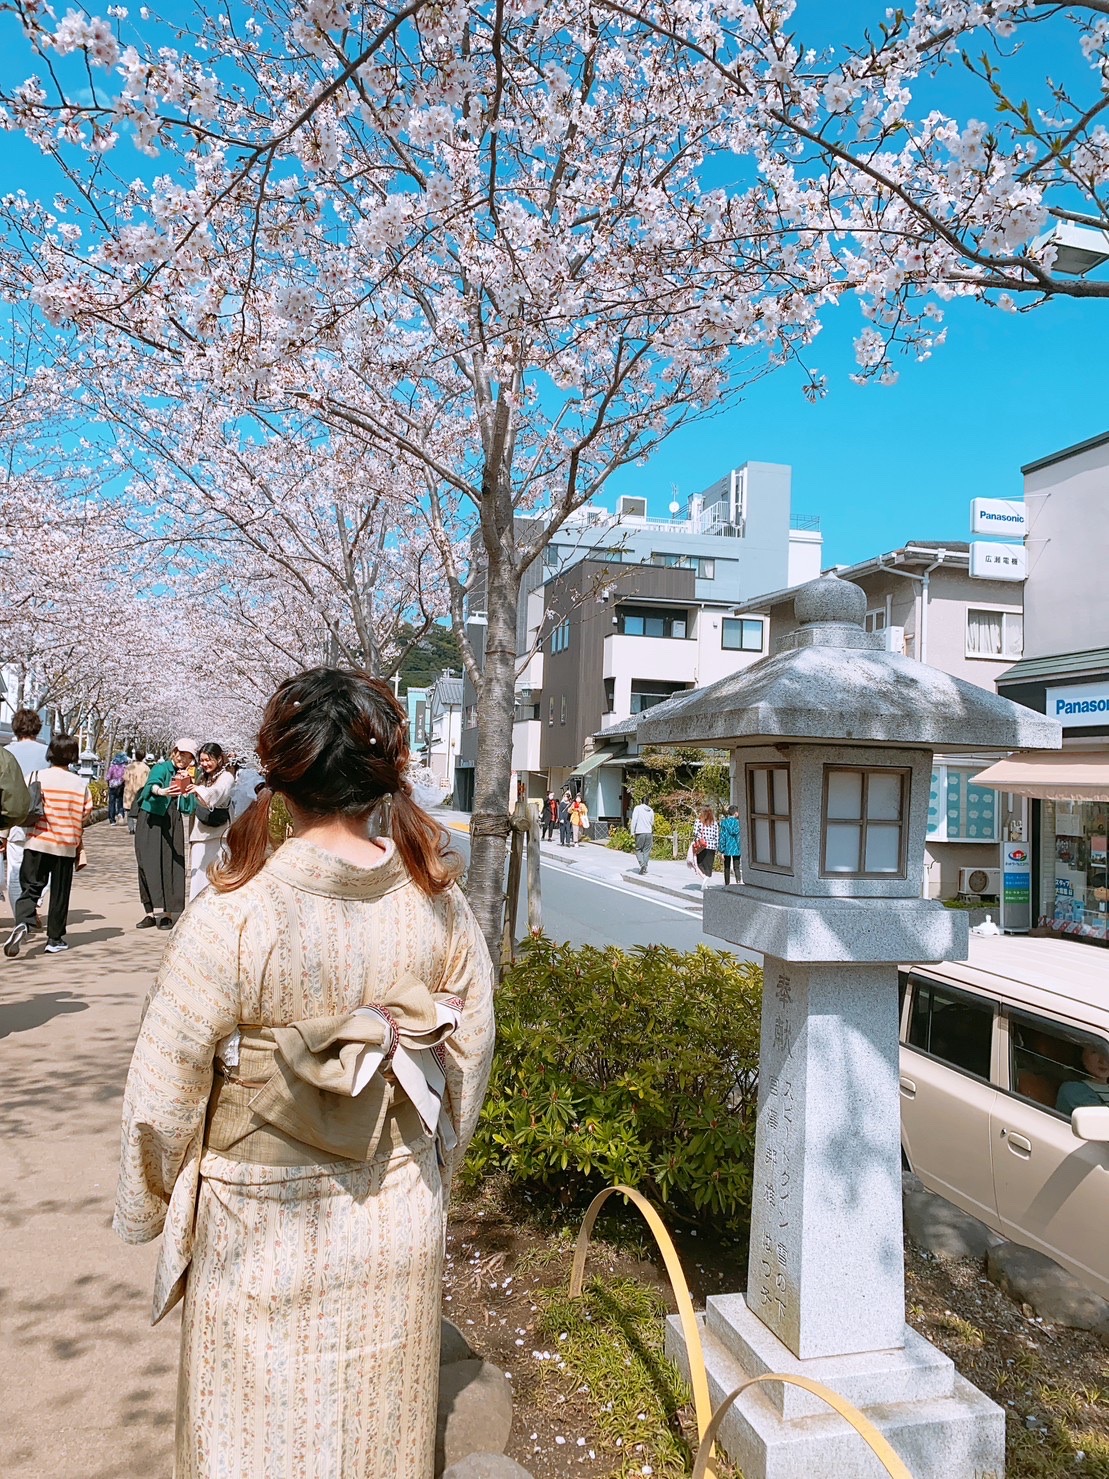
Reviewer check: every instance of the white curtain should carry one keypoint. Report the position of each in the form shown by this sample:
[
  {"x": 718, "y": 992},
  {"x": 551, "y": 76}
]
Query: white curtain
[{"x": 984, "y": 633}]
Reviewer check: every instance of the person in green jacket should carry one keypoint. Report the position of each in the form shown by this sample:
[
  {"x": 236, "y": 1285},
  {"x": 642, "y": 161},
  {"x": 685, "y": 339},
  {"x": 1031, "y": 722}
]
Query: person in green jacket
[
  {"x": 160, "y": 837},
  {"x": 15, "y": 802}
]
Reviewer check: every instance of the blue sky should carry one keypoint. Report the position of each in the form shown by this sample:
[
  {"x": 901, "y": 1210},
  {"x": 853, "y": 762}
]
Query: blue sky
[
  {"x": 877, "y": 465},
  {"x": 882, "y": 465}
]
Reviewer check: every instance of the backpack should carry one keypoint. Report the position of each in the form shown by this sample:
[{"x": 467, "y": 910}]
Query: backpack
[{"x": 115, "y": 774}]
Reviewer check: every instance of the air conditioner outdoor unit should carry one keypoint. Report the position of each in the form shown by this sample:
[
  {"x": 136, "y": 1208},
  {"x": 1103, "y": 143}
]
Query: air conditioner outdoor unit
[
  {"x": 893, "y": 639},
  {"x": 974, "y": 882},
  {"x": 628, "y": 507}
]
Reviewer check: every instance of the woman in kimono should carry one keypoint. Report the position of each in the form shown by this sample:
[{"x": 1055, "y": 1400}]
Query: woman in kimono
[
  {"x": 309, "y": 1070},
  {"x": 211, "y": 795}
]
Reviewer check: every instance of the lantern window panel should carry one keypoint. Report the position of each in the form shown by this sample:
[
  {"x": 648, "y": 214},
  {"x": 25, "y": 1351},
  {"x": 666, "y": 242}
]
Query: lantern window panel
[
  {"x": 864, "y": 822},
  {"x": 770, "y": 831}
]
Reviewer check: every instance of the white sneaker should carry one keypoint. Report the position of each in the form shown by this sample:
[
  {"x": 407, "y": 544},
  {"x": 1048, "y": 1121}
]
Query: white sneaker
[
  {"x": 14, "y": 940},
  {"x": 55, "y": 947}
]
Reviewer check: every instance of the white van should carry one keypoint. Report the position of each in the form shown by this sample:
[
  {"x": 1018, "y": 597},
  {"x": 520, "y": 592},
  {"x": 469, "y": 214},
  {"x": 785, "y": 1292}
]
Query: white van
[{"x": 1004, "y": 1092}]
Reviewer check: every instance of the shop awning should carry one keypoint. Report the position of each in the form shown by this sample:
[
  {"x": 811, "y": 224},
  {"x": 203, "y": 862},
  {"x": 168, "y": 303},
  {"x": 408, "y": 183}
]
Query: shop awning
[
  {"x": 591, "y": 763},
  {"x": 1059, "y": 775}
]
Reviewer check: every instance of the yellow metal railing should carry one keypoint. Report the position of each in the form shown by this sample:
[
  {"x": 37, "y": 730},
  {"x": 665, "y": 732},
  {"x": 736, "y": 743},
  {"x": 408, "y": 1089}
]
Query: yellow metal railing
[{"x": 709, "y": 1422}]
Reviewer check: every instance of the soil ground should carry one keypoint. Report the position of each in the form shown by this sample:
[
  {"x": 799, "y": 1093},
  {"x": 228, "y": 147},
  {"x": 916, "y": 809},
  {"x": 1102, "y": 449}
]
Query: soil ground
[{"x": 1054, "y": 1383}]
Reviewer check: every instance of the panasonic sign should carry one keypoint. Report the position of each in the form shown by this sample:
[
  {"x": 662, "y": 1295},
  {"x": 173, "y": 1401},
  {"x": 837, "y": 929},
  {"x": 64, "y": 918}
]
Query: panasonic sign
[
  {"x": 1080, "y": 705},
  {"x": 997, "y": 516}
]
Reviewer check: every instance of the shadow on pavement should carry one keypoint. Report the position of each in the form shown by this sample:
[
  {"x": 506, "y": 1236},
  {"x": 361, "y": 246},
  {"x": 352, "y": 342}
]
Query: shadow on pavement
[{"x": 25, "y": 1016}]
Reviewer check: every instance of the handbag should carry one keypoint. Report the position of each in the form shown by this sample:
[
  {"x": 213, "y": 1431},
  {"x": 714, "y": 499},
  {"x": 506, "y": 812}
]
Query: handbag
[
  {"x": 212, "y": 816},
  {"x": 37, "y": 811},
  {"x": 699, "y": 847}
]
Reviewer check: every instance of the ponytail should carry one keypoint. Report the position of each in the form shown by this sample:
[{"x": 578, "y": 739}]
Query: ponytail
[
  {"x": 431, "y": 866},
  {"x": 248, "y": 846}
]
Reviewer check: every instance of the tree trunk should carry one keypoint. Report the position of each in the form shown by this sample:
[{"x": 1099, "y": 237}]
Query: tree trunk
[{"x": 491, "y": 823}]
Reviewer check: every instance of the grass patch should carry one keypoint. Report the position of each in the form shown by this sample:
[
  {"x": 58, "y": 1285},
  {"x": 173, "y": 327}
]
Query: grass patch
[{"x": 610, "y": 1345}]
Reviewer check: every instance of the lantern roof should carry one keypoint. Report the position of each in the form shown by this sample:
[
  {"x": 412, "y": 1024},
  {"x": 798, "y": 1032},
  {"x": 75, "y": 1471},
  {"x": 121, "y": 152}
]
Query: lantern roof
[{"x": 832, "y": 681}]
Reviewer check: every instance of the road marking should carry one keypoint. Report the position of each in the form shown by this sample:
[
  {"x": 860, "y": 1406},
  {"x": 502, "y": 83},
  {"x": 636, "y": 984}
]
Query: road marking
[{"x": 690, "y": 910}]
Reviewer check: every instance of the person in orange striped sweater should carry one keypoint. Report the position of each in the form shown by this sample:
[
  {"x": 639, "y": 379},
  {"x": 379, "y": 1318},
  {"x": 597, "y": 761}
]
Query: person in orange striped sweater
[{"x": 53, "y": 846}]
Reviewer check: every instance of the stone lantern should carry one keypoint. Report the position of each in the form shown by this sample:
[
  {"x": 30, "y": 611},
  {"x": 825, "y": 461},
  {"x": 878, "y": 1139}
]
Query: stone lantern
[{"x": 831, "y": 741}]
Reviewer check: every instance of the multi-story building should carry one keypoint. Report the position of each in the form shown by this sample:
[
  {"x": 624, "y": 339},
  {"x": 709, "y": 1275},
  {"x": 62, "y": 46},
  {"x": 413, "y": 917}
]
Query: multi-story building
[
  {"x": 1064, "y": 672},
  {"x": 924, "y": 601},
  {"x": 626, "y": 610},
  {"x": 442, "y": 720}
]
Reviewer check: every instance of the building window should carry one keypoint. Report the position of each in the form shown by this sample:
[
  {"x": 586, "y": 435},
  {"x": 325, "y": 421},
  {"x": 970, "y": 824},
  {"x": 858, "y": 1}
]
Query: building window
[
  {"x": 864, "y": 829},
  {"x": 994, "y": 633},
  {"x": 470, "y": 721},
  {"x": 704, "y": 567},
  {"x": 645, "y": 621},
  {"x": 560, "y": 637},
  {"x": 562, "y": 719},
  {"x": 647, "y": 692},
  {"x": 550, "y": 710},
  {"x": 741, "y": 634},
  {"x": 958, "y": 810},
  {"x": 771, "y": 842},
  {"x": 875, "y": 621}
]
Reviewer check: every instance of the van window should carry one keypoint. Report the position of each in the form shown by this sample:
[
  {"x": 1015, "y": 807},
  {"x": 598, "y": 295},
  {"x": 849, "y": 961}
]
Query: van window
[
  {"x": 954, "y": 1028},
  {"x": 1055, "y": 1066}
]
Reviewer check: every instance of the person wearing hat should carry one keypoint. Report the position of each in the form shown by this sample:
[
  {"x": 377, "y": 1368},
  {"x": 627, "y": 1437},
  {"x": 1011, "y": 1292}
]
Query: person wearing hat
[
  {"x": 160, "y": 836},
  {"x": 135, "y": 777}
]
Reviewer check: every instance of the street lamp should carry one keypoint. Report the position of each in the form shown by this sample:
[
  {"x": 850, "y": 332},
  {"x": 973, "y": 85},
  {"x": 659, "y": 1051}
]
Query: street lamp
[{"x": 1078, "y": 249}]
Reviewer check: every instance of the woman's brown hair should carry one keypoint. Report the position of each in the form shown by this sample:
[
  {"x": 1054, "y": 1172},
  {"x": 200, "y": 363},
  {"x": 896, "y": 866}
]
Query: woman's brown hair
[
  {"x": 708, "y": 816},
  {"x": 334, "y": 742}
]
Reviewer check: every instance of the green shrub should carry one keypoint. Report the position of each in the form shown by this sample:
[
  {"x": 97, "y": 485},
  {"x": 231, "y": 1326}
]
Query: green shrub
[
  {"x": 98, "y": 790},
  {"x": 620, "y": 839},
  {"x": 636, "y": 1067}
]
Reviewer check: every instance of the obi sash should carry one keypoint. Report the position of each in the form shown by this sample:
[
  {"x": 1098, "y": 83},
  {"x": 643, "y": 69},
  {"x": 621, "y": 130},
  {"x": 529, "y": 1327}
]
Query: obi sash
[
  {"x": 323, "y": 1089},
  {"x": 341, "y": 1088}
]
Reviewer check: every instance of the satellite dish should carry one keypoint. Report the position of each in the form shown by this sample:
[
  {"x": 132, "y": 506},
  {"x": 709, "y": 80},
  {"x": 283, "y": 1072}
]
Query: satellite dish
[{"x": 675, "y": 508}]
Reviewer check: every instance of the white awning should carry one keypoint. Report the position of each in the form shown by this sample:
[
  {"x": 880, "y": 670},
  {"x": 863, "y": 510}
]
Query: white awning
[{"x": 1057, "y": 775}]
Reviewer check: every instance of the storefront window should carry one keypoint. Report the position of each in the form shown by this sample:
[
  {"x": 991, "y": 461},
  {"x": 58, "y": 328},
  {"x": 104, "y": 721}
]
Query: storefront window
[{"x": 1074, "y": 879}]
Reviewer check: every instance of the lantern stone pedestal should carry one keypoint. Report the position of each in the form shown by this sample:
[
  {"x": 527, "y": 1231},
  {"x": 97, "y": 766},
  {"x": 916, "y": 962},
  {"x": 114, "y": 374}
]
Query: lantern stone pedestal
[{"x": 832, "y": 742}]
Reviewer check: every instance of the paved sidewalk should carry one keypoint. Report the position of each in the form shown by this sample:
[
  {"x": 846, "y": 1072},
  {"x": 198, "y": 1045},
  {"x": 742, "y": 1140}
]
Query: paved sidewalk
[
  {"x": 88, "y": 1386},
  {"x": 595, "y": 860}
]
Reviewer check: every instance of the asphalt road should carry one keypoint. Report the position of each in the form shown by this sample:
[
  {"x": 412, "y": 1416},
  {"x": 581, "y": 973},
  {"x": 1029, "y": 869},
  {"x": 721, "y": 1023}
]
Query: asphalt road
[{"x": 586, "y": 911}]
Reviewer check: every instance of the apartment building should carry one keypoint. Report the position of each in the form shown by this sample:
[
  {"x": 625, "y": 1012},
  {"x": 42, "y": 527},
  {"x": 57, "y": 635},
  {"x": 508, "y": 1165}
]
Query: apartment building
[
  {"x": 442, "y": 727},
  {"x": 923, "y": 600},
  {"x": 626, "y": 610}
]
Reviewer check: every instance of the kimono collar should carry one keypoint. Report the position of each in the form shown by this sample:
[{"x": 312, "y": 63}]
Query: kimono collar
[{"x": 316, "y": 871}]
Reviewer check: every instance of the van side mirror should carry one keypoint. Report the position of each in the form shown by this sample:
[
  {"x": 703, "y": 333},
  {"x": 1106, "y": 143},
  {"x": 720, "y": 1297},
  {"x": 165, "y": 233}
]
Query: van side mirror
[{"x": 1091, "y": 1122}]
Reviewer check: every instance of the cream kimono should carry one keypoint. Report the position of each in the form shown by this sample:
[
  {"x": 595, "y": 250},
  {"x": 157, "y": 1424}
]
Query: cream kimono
[{"x": 309, "y": 1342}]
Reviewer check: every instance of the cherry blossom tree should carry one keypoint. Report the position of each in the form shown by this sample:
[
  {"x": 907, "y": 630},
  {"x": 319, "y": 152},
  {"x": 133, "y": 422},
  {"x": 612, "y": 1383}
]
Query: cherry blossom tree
[{"x": 507, "y": 247}]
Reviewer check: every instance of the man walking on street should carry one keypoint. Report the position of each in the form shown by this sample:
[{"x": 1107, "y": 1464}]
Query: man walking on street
[
  {"x": 30, "y": 755},
  {"x": 564, "y": 820},
  {"x": 643, "y": 830},
  {"x": 14, "y": 798}
]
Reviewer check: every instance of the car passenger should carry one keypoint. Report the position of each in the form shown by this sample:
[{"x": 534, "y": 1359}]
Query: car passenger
[{"x": 1095, "y": 1089}]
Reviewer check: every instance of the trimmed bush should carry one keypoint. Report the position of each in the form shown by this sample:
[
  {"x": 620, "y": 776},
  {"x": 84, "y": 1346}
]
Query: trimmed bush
[{"x": 637, "y": 1067}]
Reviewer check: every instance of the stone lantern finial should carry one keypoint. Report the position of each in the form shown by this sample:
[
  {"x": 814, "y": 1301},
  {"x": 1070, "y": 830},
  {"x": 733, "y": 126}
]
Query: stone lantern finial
[{"x": 830, "y": 599}]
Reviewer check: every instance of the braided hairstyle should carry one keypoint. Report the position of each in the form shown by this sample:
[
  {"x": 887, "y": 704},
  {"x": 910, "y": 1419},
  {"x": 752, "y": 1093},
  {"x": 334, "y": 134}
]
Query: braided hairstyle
[{"x": 334, "y": 741}]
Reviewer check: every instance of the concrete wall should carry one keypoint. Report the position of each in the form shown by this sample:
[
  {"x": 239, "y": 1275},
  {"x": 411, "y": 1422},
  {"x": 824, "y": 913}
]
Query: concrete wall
[{"x": 1064, "y": 594}]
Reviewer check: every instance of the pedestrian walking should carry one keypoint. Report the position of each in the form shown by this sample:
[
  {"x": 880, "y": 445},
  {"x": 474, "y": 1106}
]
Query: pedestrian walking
[
  {"x": 706, "y": 840},
  {"x": 550, "y": 816},
  {"x": 565, "y": 802},
  {"x": 306, "y": 1219},
  {"x": 730, "y": 843},
  {"x": 52, "y": 851},
  {"x": 28, "y": 751},
  {"x": 579, "y": 818},
  {"x": 160, "y": 837},
  {"x": 134, "y": 779},
  {"x": 117, "y": 772},
  {"x": 643, "y": 830},
  {"x": 211, "y": 817},
  {"x": 14, "y": 804}
]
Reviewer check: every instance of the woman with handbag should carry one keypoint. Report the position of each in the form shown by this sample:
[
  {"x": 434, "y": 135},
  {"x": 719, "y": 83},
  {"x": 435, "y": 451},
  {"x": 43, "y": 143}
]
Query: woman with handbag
[
  {"x": 212, "y": 815},
  {"x": 579, "y": 819},
  {"x": 706, "y": 839},
  {"x": 164, "y": 812}
]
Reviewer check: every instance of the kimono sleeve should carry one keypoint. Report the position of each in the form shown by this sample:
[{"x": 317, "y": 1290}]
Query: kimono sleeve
[
  {"x": 193, "y": 1005},
  {"x": 468, "y": 974}
]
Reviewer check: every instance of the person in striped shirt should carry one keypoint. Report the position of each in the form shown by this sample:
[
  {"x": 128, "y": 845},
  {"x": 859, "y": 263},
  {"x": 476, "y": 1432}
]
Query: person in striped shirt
[{"x": 52, "y": 848}]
